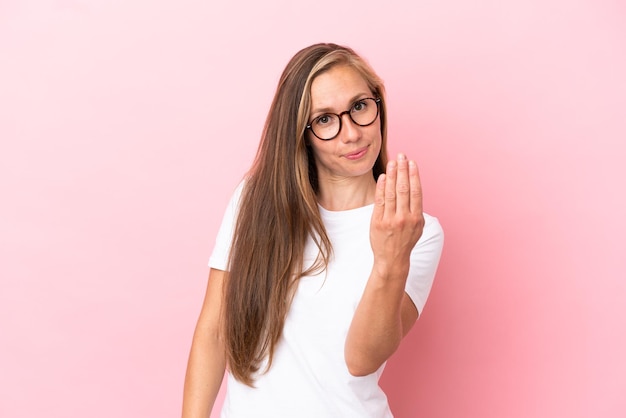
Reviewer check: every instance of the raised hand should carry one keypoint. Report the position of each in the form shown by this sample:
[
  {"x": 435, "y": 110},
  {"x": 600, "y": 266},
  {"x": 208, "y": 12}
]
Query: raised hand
[
  {"x": 386, "y": 313},
  {"x": 397, "y": 220}
]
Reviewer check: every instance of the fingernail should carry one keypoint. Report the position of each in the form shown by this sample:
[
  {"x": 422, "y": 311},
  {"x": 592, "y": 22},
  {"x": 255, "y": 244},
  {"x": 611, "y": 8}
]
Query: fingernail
[{"x": 401, "y": 156}]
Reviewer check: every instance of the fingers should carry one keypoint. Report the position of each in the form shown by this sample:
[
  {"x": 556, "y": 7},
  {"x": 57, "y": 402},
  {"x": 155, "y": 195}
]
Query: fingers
[
  {"x": 415, "y": 189},
  {"x": 390, "y": 187},
  {"x": 379, "y": 196},
  {"x": 400, "y": 190},
  {"x": 402, "y": 184}
]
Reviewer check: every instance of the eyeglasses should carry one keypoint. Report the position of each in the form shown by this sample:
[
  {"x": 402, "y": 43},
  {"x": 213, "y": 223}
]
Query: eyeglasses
[{"x": 363, "y": 113}]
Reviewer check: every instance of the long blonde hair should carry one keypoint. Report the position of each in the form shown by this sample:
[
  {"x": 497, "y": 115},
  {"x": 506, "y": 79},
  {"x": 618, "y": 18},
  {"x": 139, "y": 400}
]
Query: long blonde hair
[{"x": 278, "y": 211}]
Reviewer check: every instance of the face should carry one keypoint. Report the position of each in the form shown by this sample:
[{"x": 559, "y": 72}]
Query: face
[{"x": 353, "y": 152}]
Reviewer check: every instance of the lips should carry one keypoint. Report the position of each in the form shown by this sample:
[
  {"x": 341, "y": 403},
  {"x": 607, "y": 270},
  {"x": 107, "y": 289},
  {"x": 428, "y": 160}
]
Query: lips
[{"x": 356, "y": 154}]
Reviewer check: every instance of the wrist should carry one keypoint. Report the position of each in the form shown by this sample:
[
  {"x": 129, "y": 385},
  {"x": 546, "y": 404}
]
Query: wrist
[{"x": 390, "y": 272}]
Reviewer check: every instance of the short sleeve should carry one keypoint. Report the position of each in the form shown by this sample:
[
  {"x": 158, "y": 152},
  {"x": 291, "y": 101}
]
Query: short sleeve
[
  {"x": 424, "y": 262},
  {"x": 224, "y": 238}
]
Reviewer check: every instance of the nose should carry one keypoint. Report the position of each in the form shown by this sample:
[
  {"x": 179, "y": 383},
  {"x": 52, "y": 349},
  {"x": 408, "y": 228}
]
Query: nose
[{"x": 350, "y": 131}]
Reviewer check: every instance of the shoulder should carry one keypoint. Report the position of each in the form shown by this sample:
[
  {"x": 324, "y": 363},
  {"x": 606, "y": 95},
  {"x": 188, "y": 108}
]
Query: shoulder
[
  {"x": 430, "y": 245},
  {"x": 235, "y": 197},
  {"x": 432, "y": 228}
]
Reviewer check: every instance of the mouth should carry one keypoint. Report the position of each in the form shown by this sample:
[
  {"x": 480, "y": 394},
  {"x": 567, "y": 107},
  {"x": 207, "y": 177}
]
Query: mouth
[{"x": 355, "y": 155}]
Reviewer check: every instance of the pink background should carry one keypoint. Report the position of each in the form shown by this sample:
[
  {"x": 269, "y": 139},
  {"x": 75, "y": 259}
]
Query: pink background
[{"x": 124, "y": 126}]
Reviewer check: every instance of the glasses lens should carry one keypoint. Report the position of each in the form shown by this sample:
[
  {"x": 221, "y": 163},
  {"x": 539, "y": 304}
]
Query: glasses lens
[
  {"x": 364, "y": 112},
  {"x": 326, "y": 126}
]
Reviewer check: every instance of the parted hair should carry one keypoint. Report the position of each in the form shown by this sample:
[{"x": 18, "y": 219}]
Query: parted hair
[{"x": 278, "y": 212}]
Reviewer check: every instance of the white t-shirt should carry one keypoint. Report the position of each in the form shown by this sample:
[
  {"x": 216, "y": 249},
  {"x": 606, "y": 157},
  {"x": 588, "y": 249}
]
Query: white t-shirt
[{"x": 309, "y": 377}]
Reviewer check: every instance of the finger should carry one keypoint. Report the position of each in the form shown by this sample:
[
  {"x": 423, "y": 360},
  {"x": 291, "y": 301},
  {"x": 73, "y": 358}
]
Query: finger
[
  {"x": 402, "y": 184},
  {"x": 416, "y": 188},
  {"x": 390, "y": 187},
  {"x": 379, "y": 197}
]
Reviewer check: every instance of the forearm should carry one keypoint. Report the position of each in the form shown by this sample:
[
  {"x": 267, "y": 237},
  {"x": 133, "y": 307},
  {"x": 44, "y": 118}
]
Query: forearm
[
  {"x": 384, "y": 314},
  {"x": 205, "y": 371},
  {"x": 377, "y": 327}
]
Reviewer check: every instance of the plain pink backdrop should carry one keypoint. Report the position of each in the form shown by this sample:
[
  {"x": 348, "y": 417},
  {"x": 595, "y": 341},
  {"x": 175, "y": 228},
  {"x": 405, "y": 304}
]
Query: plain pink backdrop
[{"x": 124, "y": 126}]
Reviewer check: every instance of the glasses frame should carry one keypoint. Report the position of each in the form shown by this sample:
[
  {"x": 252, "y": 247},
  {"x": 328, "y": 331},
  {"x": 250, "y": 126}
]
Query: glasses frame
[{"x": 377, "y": 100}]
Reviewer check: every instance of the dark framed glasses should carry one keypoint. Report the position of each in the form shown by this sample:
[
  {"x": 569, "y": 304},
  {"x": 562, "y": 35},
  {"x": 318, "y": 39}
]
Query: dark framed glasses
[{"x": 363, "y": 113}]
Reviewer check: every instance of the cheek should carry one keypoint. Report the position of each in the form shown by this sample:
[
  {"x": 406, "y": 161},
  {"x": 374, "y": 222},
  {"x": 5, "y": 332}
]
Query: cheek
[
  {"x": 318, "y": 152},
  {"x": 312, "y": 149},
  {"x": 377, "y": 133},
  {"x": 323, "y": 154}
]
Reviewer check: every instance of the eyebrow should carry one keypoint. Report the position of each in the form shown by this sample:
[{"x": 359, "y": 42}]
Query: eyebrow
[{"x": 351, "y": 101}]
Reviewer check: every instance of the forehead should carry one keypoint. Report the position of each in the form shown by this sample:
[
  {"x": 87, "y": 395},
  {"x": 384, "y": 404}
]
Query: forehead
[{"x": 337, "y": 88}]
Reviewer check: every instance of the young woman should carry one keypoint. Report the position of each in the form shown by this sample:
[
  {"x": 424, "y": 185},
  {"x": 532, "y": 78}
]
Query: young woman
[{"x": 324, "y": 259}]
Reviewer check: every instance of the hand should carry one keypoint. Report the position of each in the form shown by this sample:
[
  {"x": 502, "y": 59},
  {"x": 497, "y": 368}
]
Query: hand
[{"x": 397, "y": 220}]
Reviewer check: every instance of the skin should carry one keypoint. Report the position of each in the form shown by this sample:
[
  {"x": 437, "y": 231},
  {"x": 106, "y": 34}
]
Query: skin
[
  {"x": 385, "y": 313},
  {"x": 207, "y": 359},
  {"x": 344, "y": 183}
]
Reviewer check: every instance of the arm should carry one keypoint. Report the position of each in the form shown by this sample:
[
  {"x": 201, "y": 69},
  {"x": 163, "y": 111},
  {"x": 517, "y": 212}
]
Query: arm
[
  {"x": 207, "y": 361},
  {"x": 385, "y": 313}
]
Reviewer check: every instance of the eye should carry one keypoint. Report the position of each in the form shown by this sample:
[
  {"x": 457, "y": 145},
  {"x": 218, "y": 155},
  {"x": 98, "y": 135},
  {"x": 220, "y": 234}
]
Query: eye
[
  {"x": 359, "y": 106},
  {"x": 323, "y": 120}
]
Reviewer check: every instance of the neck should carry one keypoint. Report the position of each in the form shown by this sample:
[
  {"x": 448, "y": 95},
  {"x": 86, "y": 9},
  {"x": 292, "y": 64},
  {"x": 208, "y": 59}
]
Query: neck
[{"x": 346, "y": 193}]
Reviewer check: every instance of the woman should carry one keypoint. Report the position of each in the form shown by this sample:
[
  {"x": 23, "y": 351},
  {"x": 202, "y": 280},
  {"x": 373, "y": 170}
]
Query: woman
[{"x": 324, "y": 258}]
